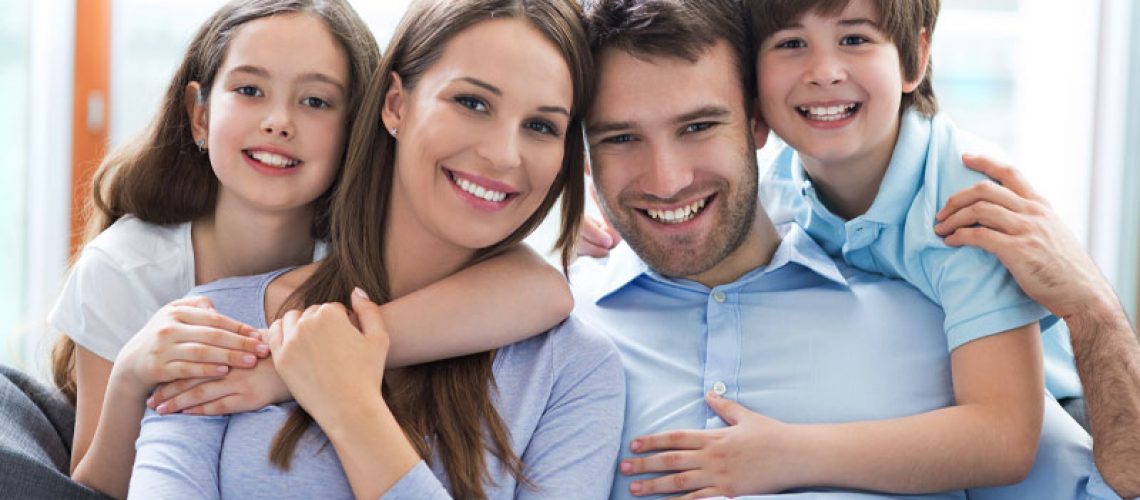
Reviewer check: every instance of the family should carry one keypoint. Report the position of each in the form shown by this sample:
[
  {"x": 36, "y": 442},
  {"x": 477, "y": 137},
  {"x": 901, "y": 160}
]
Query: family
[{"x": 306, "y": 279}]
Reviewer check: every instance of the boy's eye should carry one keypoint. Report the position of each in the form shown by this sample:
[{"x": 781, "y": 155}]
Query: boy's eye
[
  {"x": 853, "y": 40},
  {"x": 315, "y": 102},
  {"x": 542, "y": 127},
  {"x": 472, "y": 103},
  {"x": 693, "y": 128},
  {"x": 248, "y": 91},
  {"x": 794, "y": 43}
]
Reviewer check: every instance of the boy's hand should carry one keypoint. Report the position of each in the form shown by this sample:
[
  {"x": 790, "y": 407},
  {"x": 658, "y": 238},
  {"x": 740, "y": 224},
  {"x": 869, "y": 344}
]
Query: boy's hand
[
  {"x": 242, "y": 389},
  {"x": 737, "y": 460},
  {"x": 1010, "y": 220}
]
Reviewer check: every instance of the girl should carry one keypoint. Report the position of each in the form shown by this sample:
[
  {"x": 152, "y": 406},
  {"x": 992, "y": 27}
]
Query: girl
[
  {"x": 234, "y": 177},
  {"x": 475, "y": 153}
]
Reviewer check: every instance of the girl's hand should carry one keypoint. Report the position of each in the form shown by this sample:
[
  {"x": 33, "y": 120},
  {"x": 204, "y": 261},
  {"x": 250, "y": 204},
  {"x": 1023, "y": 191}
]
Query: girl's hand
[
  {"x": 243, "y": 389},
  {"x": 186, "y": 339},
  {"x": 325, "y": 361}
]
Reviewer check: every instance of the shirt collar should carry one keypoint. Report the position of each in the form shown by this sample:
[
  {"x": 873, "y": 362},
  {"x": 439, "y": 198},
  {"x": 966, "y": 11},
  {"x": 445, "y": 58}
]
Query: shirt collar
[
  {"x": 901, "y": 182},
  {"x": 796, "y": 247}
]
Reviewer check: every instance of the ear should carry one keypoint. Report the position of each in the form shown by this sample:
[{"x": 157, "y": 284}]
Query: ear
[
  {"x": 923, "y": 62},
  {"x": 196, "y": 111},
  {"x": 758, "y": 125},
  {"x": 392, "y": 112}
]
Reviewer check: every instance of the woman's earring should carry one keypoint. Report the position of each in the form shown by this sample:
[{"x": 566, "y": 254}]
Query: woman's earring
[{"x": 394, "y": 131}]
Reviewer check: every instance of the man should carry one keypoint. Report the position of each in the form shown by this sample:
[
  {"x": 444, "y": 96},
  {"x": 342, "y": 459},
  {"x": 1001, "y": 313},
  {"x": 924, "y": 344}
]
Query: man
[{"x": 709, "y": 296}]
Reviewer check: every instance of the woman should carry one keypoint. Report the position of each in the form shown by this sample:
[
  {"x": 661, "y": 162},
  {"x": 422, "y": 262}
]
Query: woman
[{"x": 481, "y": 101}]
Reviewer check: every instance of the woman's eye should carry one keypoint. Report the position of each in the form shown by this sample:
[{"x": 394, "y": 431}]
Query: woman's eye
[
  {"x": 315, "y": 102},
  {"x": 853, "y": 40},
  {"x": 472, "y": 103},
  {"x": 248, "y": 91},
  {"x": 542, "y": 127}
]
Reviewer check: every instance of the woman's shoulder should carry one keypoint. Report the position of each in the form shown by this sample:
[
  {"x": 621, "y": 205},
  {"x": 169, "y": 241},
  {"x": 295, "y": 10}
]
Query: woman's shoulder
[
  {"x": 240, "y": 297},
  {"x": 572, "y": 346}
]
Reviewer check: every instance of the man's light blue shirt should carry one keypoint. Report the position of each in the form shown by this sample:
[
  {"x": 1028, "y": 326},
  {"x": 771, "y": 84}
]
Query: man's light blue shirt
[
  {"x": 896, "y": 238},
  {"x": 804, "y": 339}
]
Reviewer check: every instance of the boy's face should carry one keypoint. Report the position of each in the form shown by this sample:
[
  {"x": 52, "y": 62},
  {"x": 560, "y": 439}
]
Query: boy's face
[{"x": 831, "y": 87}]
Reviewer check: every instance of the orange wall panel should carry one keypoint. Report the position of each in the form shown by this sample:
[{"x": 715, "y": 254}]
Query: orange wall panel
[{"x": 91, "y": 112}]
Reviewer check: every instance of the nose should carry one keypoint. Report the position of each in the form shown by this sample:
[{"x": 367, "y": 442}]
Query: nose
[
  {"x": 500, "y": 147},
  {"x": 278, "y": 121},
  {"x": 824, "y": 69},
  {"x": 668, "y": 172}
]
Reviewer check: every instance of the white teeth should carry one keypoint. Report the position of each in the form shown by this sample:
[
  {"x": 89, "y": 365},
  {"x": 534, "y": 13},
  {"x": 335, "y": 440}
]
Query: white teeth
[
  {"x": 478, "y": 191},
  {"x": 679, "y": 215},
  {"x": 273, "y": 160},
  {"x": 828, "y": 113}
]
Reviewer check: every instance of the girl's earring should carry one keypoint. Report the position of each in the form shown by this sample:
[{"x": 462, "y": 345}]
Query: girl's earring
[{"x": 201, "y": 145}]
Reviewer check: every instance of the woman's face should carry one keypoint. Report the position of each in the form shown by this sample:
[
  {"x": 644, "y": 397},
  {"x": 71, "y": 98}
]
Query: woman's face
[{"x": 480, "y": 138}]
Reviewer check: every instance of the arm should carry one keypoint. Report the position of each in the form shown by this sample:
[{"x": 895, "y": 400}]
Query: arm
[
  {"x": 178, "y": 457},
  {"x": 1017, "y": 225},
  {"x": 491, "y": 304},
  {"x": 184, "y": 339},
  {"x": 989, "y": 437}
]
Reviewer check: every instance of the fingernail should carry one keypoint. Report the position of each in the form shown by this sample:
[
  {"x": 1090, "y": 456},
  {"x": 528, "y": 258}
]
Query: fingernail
[
  {"x": 360, "y": 293},
  {"x": 162, "y": 408},
  {"x": 150, "y": 402},
  {"x": 626, "y": 467},
  {"x": 635, "y": 445},
  {"x": 222, "y": 368},
  {"x": 249, "y": 359},
  {"x": 262, "y": 349},
  {"x": 635, "y": 487}
]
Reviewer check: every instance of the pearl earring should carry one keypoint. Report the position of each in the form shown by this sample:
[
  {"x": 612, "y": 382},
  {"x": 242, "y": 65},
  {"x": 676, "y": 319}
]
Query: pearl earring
[{"x": 394, "y": 131}]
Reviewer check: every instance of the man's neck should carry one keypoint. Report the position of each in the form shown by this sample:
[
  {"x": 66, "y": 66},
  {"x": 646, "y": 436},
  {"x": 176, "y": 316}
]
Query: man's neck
[{"x": 755, "y": 250}]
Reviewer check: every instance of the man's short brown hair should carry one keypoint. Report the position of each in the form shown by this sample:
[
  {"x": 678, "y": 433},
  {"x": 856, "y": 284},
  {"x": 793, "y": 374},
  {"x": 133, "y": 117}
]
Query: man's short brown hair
[
  {"x": 673, "y": 28},
  {"x": 901, "y": 20}
]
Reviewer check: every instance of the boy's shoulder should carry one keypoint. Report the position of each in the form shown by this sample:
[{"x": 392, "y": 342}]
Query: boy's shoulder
[{"x": 945, "y": 170}]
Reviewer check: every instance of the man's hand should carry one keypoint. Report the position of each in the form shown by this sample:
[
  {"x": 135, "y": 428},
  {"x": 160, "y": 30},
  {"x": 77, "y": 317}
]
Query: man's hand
[
  {"x": 744, "y": 458},
  {"x": 1013, "y": 222}
]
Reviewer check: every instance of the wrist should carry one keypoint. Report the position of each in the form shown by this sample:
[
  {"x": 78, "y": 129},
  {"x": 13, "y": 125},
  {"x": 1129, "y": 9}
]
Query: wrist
[
  {"x": 123, "y": 384},
  {"x": 1100, "y": 312}
]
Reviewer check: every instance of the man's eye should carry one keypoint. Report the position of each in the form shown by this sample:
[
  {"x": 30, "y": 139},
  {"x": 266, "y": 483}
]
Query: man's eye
[
  {"x": 472, "y": 103},
  {"x": 618, "y": 139},
  {"x": 697, "y": 127}
]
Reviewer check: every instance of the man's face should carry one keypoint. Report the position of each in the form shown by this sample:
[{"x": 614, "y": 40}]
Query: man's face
[{"x": 673, "y": 157}]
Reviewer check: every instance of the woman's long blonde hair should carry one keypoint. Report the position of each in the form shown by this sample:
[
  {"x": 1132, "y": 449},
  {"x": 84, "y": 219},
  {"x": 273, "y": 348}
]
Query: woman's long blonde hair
[{"x": 445, "y": 403}]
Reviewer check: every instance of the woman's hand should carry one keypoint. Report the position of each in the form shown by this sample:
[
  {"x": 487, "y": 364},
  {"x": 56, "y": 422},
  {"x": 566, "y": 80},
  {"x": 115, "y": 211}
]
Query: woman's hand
[
  {"x": 242, "y": 389},
  {"x": 325, "y": 361},
  {"x": 186, "y": 339},
  {"x": 596, "y": 237}
]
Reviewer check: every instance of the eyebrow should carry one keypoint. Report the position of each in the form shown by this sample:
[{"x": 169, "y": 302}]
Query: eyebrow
[
  {"x": 859, "y": 21},
  {"x": 311, "y": 76},
  {"x": 495, "y": 90},
  {"x": 711, "y": 111}
]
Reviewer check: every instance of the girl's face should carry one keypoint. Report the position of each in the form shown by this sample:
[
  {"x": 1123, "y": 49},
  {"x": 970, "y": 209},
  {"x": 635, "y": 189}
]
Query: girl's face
[
  {"x": 274, "y": 123},
  {"x": 481, "y": 137}
]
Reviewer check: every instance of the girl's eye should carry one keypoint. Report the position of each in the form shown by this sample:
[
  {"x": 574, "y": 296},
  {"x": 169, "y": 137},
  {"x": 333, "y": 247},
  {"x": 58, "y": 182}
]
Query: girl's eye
[
  {"x": 542, "y": 127},
  {"x": 315, "y": 102},
  {"x": 698, "y": 127},
  {"x": 472, "y": 103},
  {"x": 853, "y": 40},
  {"x": 794, "y": 43},
  {"x": 248, "y": 91}
]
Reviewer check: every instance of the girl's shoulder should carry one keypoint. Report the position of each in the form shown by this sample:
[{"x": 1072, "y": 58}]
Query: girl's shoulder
[{"x": 131, "y": 242}]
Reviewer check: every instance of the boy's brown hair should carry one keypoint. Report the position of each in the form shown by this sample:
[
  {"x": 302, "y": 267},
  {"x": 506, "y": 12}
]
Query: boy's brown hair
[
  {"x": 901, "y": 20},
  {"x": 681, "y": 29}
]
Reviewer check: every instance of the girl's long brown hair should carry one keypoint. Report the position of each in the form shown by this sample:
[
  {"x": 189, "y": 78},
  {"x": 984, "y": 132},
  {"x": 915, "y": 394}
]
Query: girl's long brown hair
[
  {"x": 161, "y": 177},
  {"x": 445, "y": 405}
]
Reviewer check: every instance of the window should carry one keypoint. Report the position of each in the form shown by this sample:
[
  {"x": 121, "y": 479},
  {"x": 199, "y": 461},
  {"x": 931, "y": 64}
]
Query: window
[{"x": 14, "y": 77}]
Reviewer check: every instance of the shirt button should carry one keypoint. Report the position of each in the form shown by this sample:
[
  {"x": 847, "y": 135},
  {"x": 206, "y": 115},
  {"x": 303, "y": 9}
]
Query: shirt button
[
  {"x": 719, "y": 388},
  {"x": 718, "y": 296}
]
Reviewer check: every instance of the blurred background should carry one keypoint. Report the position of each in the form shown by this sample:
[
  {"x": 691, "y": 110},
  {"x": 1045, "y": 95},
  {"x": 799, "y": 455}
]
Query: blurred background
[{"x": 1055, "y": 83}]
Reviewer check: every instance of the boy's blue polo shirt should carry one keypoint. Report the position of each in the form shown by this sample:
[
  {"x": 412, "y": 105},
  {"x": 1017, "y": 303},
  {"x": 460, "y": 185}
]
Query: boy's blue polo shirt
[{"x": 896, "y": 238}]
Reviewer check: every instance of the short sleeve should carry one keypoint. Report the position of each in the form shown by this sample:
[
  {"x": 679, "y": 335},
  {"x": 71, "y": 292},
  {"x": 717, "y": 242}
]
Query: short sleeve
[{"x": 100, "y": 306}]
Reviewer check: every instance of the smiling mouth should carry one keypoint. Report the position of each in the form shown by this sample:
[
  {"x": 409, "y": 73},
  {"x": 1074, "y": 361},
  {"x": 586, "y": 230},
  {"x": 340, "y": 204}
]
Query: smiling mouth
[
  {"x": 678, "y": 215},
  {"x": 478, "y": 191},
  {"x": 829, "y": 113},
  {"x": 272, "y": 159}
]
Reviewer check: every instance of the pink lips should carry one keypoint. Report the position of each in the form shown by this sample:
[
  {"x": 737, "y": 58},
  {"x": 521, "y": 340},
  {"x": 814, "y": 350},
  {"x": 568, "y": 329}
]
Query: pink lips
[{"x": 485, "y": 183}]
